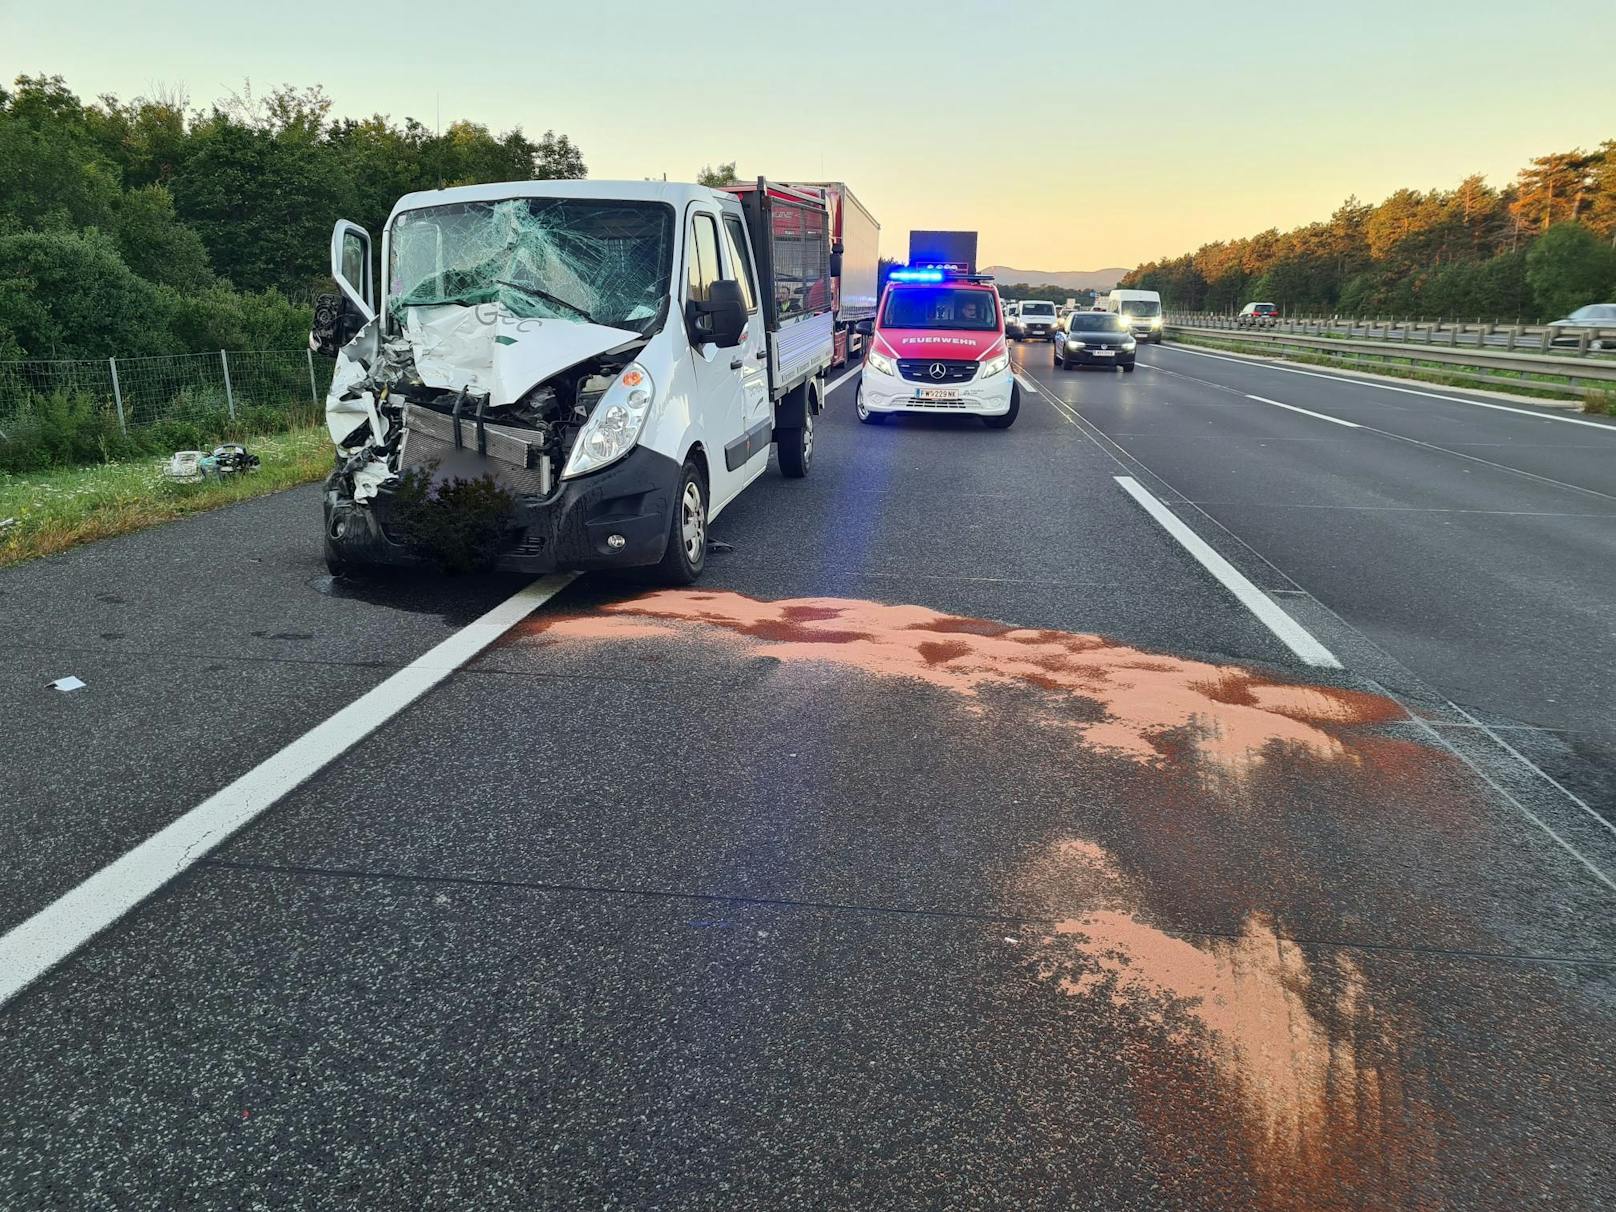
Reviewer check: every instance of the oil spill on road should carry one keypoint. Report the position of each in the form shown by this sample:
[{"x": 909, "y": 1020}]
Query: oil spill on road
[
  {"x": 1303, "y": 1060},
  {"x": 1152, "y": 706}
]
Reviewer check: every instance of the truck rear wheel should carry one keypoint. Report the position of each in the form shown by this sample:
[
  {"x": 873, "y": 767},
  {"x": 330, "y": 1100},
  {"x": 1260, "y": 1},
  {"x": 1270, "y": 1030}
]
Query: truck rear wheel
[
  {"x": 795, "y": 447},
  {"x": 686, "y": 554}
]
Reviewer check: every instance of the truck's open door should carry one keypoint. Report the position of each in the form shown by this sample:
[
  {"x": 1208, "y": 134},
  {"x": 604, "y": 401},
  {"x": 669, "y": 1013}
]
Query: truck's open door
[{"x": 351, "y": 267}]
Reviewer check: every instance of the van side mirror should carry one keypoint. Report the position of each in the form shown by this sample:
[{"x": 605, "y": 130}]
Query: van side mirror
[
  {"x": 721, "y": 318},
  {"x": 336, "y": 322}
]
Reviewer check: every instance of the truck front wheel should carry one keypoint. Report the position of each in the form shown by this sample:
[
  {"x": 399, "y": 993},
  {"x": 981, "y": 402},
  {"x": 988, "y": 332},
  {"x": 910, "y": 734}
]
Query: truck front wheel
[{"x": 686, "y": 554}]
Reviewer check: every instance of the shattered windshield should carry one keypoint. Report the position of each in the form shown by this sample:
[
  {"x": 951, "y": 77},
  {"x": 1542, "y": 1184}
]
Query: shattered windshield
[{"x": 607, "y": 262}]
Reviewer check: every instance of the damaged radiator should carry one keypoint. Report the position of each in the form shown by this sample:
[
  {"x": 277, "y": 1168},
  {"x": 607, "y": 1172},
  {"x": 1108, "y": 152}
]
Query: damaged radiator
[{"x": 513, "y": 456}]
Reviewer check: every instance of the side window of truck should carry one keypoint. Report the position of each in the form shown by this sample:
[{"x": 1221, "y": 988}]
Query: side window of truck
[
  {"x": 740, "y": 256},
  {"x": 701, "y": 261}
]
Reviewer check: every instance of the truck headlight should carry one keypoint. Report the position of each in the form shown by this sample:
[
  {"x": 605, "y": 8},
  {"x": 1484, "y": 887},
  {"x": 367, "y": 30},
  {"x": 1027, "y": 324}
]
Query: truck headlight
[
  {"x": 615, "y": 425},
  {"x": 993, "y": 366},
  {"x": 881, "y": 364}
]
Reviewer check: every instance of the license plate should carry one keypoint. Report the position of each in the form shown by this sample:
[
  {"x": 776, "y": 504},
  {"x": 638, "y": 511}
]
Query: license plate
[
  {"x": 1105, "y": 353},
  {"x": 939, "y": 393}
]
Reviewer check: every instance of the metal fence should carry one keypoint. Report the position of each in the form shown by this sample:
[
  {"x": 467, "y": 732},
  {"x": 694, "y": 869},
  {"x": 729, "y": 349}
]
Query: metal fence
[{"x": 177, "y": 387}]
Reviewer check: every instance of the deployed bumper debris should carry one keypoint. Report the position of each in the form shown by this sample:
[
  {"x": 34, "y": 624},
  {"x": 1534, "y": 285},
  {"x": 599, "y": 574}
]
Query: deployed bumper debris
[{"x": 194, "y": 466}]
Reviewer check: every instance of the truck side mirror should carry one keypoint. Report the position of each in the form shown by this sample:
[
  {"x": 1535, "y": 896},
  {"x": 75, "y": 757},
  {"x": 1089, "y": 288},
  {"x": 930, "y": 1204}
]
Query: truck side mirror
[
  {"x": 721, "y": 318},
  {"x": 836, "y": 263}
]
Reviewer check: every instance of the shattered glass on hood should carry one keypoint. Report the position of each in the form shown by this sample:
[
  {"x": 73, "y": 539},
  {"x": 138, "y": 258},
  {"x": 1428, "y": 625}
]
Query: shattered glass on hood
[{"x": 608, "y": 262}]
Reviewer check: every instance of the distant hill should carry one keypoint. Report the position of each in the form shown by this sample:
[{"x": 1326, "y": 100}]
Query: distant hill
[{"x": 1071, "y": 279}]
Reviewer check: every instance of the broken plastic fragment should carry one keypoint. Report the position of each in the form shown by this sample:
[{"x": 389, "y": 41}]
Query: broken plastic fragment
[{"x": 68, "y": 683}]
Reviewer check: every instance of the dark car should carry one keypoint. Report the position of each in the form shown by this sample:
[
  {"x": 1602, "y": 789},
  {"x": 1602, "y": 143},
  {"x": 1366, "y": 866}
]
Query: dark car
[
  {"x": 1094, "y": 338},
  {"x": 1257, "y": 315}
]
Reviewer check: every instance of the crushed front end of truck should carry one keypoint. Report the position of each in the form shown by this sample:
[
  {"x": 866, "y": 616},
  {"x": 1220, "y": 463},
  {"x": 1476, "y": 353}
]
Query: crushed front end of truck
[{"x": 458, "y": 411}]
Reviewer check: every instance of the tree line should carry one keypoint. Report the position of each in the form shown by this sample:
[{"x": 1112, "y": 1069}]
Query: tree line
[
  {"x": 1534, "y": 250},
  {"x": 151, "y": 227}
]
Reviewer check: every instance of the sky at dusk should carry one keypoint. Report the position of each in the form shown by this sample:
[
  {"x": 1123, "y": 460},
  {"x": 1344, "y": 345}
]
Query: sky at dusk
[{"x": 1072, "y": 135}]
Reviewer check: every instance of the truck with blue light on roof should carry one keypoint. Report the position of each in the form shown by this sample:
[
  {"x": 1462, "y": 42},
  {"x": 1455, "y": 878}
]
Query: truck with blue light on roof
[{"x": 938, "y": 346}]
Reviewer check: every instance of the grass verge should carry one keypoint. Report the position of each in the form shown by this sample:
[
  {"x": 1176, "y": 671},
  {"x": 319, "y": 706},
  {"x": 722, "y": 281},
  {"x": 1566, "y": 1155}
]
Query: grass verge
[
  {"x": 46, "y": 511},
  {"x": 1540, "y": 387}
]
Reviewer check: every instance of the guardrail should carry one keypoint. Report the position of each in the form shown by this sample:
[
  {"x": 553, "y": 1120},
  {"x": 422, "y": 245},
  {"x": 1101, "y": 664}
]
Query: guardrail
[
  {"x": 1486, "y": 365},
  {"x": 1483, "y": 334}
]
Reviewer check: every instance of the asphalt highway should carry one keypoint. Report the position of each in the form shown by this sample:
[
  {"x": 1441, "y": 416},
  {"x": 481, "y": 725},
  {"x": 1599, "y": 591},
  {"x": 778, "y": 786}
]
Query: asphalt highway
[{"x": 963, "y": 839}]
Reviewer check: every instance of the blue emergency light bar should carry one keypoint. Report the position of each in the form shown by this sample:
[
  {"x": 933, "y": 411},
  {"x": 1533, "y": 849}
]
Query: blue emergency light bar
[{"x": 916, "y": 275}]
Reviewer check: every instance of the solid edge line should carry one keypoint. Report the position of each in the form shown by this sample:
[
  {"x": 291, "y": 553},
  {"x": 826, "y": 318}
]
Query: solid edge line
[
  {"x": 1267, "y": 363},
  {"x": 1519, "y": 807},
  {"x": 35, "y": 946},
  {"x": 1291, "y": 633},
  {"x": 1306, "y": 412}
]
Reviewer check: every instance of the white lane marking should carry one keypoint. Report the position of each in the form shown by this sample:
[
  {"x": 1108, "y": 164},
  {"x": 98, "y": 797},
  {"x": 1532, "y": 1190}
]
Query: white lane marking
[
  {"x": 1291, "y": 633},
  {"x": 1318, "y": 416},
  {"x": 1025, "y": 382},
  {"x": 1504, "y": 793},
  {"x": 1537, "y": 770},
  {"x": 56, "y": 931},
  {"x": 833, "y": 385},
  {"x": 1407, "y": 391}
]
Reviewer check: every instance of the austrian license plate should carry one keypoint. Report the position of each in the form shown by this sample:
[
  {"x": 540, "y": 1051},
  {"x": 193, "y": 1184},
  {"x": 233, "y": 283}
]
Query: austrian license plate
[
  {"x": 1105, "y": 353},
  {"x": 938, "y": 393}
]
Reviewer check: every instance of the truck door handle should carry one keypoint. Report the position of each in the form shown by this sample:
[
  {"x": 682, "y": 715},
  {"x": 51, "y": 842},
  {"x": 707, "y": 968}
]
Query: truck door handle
[{"x": 735, "y": 364}]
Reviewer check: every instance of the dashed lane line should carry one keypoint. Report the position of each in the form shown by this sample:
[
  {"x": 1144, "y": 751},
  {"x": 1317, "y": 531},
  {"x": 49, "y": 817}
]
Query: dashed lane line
[
  {"x": 1289, "y": 632},
  {"x": 1306, "y": 412}
]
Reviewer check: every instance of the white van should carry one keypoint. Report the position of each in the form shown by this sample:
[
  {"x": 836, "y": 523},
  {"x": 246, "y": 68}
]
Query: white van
[
  {"x": 1031, "y": 319},
  {"x": 605, "y": 363},
  {"x": 1143, "y": 309}
]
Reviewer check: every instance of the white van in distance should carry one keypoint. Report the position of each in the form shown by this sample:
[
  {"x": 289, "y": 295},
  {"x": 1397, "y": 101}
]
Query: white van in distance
[
  {"x": 1143, "y": 310},
  {"x": 1031, "y": 319}
]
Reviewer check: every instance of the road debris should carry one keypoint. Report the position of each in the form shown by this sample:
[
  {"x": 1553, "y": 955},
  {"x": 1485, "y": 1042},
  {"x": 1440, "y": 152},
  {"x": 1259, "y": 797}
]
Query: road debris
[
  {"x": 64, "y": 684},
  {"x": 194, "y": 466}
]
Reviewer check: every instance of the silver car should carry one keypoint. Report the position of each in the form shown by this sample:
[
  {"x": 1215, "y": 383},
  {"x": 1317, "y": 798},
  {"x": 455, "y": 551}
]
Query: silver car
[{"x": 1600, "y": 316}]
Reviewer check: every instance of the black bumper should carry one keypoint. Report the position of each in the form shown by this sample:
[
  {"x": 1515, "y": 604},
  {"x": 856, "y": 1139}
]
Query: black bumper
[{"x": 632, "y": 499}]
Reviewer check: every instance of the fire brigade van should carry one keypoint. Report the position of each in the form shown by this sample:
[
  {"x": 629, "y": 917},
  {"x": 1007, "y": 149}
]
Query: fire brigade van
[{"x": 938, "y": 347}]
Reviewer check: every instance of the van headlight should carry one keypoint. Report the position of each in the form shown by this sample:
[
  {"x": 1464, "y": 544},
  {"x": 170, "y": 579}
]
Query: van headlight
[
  {"x": 615, "y": 425},
  {"x": 993, "y": 366},
  {"x": 881, "y": 364},
  {"x": 1155, "y": 321}
]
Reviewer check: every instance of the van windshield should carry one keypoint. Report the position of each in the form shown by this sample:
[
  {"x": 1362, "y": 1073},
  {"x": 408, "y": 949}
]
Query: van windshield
[
  {"x": 940, "y": 307},
  {"x": 1037, "y": 309},
  {"x": 1092, "y": 321},
  {"x": 604, "y": 261},
  {"x": 1140, "y": 307}
]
